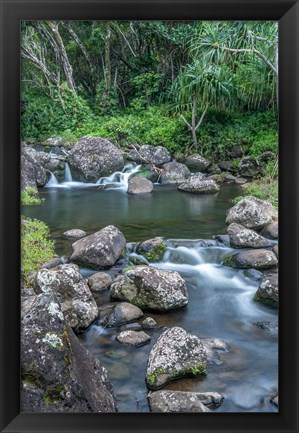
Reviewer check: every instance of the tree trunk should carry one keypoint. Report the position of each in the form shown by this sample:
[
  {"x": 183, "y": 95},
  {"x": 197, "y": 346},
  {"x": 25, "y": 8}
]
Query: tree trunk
[
  {"x": 107, "y": 66},
  {"x": 193, "y": 122}
]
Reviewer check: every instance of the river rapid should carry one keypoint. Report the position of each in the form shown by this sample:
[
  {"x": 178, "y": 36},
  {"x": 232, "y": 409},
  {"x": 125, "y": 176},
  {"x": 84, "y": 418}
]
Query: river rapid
[{"x": 220, "y": 298}]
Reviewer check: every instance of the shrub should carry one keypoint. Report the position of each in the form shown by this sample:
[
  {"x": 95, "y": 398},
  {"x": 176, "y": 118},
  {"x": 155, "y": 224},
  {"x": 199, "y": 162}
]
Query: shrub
[{"x": 30, "y": 197}]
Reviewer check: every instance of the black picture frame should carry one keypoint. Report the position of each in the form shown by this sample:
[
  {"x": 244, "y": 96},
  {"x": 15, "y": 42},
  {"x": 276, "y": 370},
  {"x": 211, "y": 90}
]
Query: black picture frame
[{"x": 287, "y": 13}]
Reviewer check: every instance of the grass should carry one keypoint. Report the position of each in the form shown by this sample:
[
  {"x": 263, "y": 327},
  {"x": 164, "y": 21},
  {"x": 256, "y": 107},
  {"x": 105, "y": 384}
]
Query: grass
[
  {"x": 264, "y": 189},
  {"x": 36, "y": 245},
  {"x": 30, "y": 197}
]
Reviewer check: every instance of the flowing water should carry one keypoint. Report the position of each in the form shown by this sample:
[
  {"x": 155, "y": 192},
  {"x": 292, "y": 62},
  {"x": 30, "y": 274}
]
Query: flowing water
[{"x": 220, "y": 298}]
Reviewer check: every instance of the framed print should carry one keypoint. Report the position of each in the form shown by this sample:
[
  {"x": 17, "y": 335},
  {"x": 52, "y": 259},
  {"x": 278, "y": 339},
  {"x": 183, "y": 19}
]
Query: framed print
[{"x": 148, "y": 158}]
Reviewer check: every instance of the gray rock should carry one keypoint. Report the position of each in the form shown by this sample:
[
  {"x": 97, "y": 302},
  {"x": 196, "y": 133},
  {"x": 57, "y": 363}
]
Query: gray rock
[
  {"x": 240, "y": 181},
  {"x": 252, "y": 213},
  {"x": 94, "y": 157},
  {"x": 196, "y": 162},
  {"x": 213, "y": 169},
  {"x": 212, "y": 347},
  {"x": 122, "y": 313},
  {"x": 241, "y": 237},
  {"x": 271, "y": 230},
  {"x": 54, "y": 141},
  {"x": 267, "y": 293},
  {"x": 176, "y": 354},
  {"x": 58, "y": 374},
  {"x": 271, "y": 327},
  {"x": 156, "y": 155},
  {"x": 254, "y": 274},
  {"x": 26, "y": 292},
  {"x": 134, "y": 156},
  {"x": 174, "y": 172},
  {"x": 198, "y": 185},
  {"x": 249, "y": 167},
  {"x": 180, "y": 401},
  {"x": 235, "y": 152},
  {"x": 150, "y": 288},
  {"x": 74, "y": 234},
  {"x": 223, "y": 239},
  {"x": 52, "y": 263},
  {"x": 149, "y": 323},
  {"x": 266, "y": 157},
  {"x": 133, "y": 338},
  {"x": 77, "y": 303},
  {"x": 101, "y": 249},
  {"x": 258, "y": 259},
  {"x": 139, "y": 185},
  {"x": 227, "y": 166},
  {"x": 152, "y": 249},
  {"x": 99, "y": 281},
  {"x": 33, "y": 174},
  {"x": 275, "y": 249}
]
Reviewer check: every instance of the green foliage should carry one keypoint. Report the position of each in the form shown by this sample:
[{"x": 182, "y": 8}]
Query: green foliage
[
  {"x": 30, "y": 197},
  {"x": 36, "y": 246},
  {"x": 106, "y": 101},
  {"x": 264, "y": 189}
]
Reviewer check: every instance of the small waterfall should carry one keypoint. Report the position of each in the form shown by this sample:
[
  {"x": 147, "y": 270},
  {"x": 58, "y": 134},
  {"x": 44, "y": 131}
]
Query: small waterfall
[
  {"x": 120, "y": 179},
  {"x": 67, "y": 173},
  {"x": 52, "y": 181}
]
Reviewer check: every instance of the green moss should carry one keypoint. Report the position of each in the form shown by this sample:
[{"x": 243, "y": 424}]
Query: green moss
[
  {"x": 30, "y": 197},
  {"x": 198, "y": 369},
  {"x": 54, "y": 393},
  {"x": 229, "y": 261},
  {"x": 156, "y": 253},
  {"x": 129, "y": 268},
  {"x": 30, "y": 376},
  {"x": 265, "y": 301},
  {"x": 36, "y": 246}
]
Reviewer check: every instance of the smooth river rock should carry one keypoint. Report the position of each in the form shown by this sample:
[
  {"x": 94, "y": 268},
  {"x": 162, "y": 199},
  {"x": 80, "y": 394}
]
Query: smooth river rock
[
  {"x": 241, "y": 237},
  {"x": 156, "y": 155},
  {"x": 267, "y": 293},
  {"x": 174, "y": 172},
  {"x": 99, "y": 281},
  {"x": 58, "y": 374},
  {"x": 94, "y": 157},
  {"x": 139, "y": 185},
  {"x": 252, "y": 213},
  {"x": 122, "y": 313},
  {"x": 271, "y": 230},
  {"x": 133, "y": 338},
  {"x": 77, "y": 303},
  {"x": 258, "y": 259},
  {"x": 196, "y": 184},
  {"x": 74, "y": 234},
  {"x": 176, "y": 354},
  {"x": 101, "y": 249},
  {"x": 151, "y": 289},
  {"x": 182, "y": 401},
  {"x": 196, "y": 162}
]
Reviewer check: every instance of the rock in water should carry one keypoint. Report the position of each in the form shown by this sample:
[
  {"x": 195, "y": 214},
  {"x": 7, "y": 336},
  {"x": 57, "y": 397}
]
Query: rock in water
[
  {"x": 74, "y": 234},
  {"x": 252, "y": 213},
  {"x": 176, "y": 354},
  {"x": 152, "y": 249},
  {"x": 174, "y": 172},
  {"x": 133, "y": 338},
  {"x": 139, "y": 185},
  {"x": 94, "y": 157},
  {"x": 58, "y": 374},
  {"x": 156, "y": 155},
  {"x": 198, "y": 185},
  {"x": 271, "y": 230},
  {"x": 240, "y": 237},
  {"x": 101, "y": 249},
  {"x": 259, "y": 259},
  {"x": 99, "y": 281},
  {"x": 33, "y": 173},
  {"x": 267, "y": 293},
  {"x": 196, "y": 162},
  {"x": 122, "y": 313},
  {"x": 77, "y": 303},
  {"x": 181, "y": 401},
  {"x": 151, "y": 289}
]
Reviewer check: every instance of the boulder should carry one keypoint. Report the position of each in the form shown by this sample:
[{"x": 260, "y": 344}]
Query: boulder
[
  {"x": 271, "y": 327},
  {"x": 213, "y": 169},
  {"x": 52, "y": 263},
  {"x": 196, "y": 162},
  {"x": 150, "y": 288},
  {"x": 133, "y": 338},
  {"x": 227, "y": 166},
  {"x": 74, "y": 234},
  {"x": 249, "y": 167},
  {"x": 156, "y": 155},
  {"x": 122, "y": 313},
  {"x": 267, "y": 293},
  {"x": 174, "y": 172},
  {"x": 54, "y": 142},
  {"x": 252, "y": 213},
  {"x": 235, "y": 152},
  {"x": 271, "y": 230},
  {"x": 198, "y": 185},
  {"x": 182, "y": 401},
  {"x": 133, "y": 155},
  {"x": 94, "y": 157},
  {"x": 212, "y": 347},
  {"x": 99, "y": 281},
  {"x": 58, "y": 374},
  {"x": 265, "y": 157},
  {"x": 149, "y": 323},
  {"x": 241, "y": 237},
  {"x": 33, "y": 174},
  {"x": 254, "y": 274},
  {"x": 258, "y": 259},
  {"x": 153, "y": 249},
  {"x": 176, "y": 354},
  {"x": 77, "y": 303},
  {"x": 101, "y": 249},
  {"x": 139, "y": 185}
]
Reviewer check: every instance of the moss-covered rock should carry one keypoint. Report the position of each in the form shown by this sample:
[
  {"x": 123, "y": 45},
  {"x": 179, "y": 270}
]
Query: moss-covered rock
[{"x": 153, "y": 249}]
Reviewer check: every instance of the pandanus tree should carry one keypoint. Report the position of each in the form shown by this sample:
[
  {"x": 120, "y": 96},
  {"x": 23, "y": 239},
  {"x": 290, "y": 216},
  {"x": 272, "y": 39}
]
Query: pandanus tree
[{"x": 198, "y": 87}]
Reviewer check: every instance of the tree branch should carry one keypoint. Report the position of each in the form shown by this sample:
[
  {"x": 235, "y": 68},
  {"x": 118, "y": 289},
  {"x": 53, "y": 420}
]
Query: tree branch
[
  {"x": 258, "y": 53},
  {"x": 185, "y": 121},
  {"x": 201, "y": 118}
]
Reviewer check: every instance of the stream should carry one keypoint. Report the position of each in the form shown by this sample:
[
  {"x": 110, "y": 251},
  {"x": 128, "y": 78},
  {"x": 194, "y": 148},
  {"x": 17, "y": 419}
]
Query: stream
[{"x": 220, "y": 298}]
